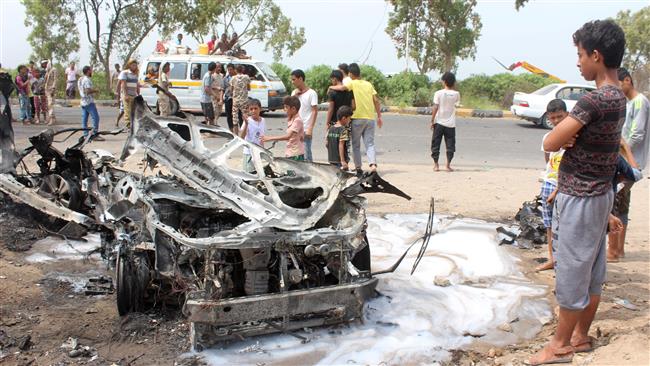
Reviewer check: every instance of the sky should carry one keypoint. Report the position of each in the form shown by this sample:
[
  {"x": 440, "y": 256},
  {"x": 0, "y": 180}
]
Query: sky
[{"x": 354, "y": 31}]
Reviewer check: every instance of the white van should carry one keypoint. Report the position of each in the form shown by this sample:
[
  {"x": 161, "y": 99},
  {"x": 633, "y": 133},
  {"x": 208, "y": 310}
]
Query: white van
[{"x": 187, "y": 70}]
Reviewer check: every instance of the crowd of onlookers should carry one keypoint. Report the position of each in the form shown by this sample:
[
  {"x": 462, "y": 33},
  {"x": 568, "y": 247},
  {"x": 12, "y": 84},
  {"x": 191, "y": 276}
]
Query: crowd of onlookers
[
  {"x": 352, "y": 116},
  {"x": 35, "y": 87},
  {"x": 594, "y": 153}
]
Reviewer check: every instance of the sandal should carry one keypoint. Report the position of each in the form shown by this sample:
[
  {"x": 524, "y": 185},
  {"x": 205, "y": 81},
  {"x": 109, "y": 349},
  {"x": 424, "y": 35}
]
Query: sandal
[
  {"x": 585, "y": 347},
  {"x": 560, "y": 355}
]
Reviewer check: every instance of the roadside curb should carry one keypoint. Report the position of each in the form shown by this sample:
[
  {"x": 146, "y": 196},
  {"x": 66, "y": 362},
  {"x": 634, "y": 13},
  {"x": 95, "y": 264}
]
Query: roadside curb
[{"x": 460, "y": 112}]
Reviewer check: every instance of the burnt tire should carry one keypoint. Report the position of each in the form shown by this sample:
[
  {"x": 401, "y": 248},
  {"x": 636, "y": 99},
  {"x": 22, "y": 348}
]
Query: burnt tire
[
  {"x": 61, "y": 191},
  {"x": 132, "y": 273},
  {"x": 362, "y": 260}
]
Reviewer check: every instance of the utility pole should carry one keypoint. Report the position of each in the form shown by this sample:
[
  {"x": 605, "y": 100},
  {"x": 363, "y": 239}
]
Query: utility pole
[{"x": 407, "y": 47}]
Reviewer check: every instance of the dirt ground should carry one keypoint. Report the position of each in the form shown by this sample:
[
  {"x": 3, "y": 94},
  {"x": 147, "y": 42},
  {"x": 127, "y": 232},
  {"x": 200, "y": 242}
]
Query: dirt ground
[{"x": 50, "y": 312}]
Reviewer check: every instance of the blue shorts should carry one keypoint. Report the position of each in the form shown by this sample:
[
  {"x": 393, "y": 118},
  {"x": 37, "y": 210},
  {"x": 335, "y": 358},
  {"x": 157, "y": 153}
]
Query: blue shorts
[{"x": 547, "y": 209}]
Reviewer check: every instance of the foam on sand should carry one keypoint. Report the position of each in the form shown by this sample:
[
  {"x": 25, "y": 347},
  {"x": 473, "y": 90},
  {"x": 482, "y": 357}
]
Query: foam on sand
[
  {"x": 416, "y": 321},
  {"x": 52, "y": 248}
]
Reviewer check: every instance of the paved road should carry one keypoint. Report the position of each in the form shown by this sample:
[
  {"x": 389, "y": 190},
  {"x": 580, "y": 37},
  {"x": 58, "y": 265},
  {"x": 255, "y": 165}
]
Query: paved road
[{"x": 405, "y": 139}]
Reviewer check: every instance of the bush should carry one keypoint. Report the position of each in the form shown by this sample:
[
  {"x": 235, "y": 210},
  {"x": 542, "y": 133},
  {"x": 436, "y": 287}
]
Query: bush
[
  {"x": 99, "y": 82},
  {"x": 284, "y": 72},
  {"x": 407, "y": 88},
  {"x": 376, "y": 78},
  {"x": 318, "y": 78},
  {"x": 499, "y": 89},
  {"x": 423, "y": 97}
]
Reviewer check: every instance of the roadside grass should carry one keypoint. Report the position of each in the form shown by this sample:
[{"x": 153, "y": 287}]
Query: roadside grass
[{"x": 478, "y": 102}]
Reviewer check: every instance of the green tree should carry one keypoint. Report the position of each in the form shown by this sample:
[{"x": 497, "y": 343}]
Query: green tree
[
  {"x": 376, "y": 78},
  {"x": 637, "y": 36},
  {"x": 284, "y": 73},
  {"x": 405, "y": 87},
  {"x": 129, "y": 22},
  {"x": 317, "y": 77},
  {"x": 434, "y": 33},
  {"x": 253, "y": 20},
  {"x": 520, "y": 4},
  {"x": 54, "y": 34}
]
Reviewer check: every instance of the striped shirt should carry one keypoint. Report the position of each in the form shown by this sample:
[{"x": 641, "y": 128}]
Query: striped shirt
[
  {"x": 588, "y": 168},
  {"x": 131, "y": 80}
]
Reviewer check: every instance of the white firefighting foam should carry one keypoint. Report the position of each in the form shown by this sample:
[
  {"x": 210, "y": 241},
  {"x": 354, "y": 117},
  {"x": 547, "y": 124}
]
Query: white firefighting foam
[{"x": 416, "y": 321}]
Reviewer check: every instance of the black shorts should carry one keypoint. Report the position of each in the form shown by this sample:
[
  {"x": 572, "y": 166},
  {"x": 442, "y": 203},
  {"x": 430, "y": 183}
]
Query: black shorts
[{"x": 208, "y": 110}]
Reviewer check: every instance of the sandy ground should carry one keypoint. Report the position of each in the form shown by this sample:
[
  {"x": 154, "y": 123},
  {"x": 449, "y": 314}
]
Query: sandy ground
[{"x": 51, "y": 314}]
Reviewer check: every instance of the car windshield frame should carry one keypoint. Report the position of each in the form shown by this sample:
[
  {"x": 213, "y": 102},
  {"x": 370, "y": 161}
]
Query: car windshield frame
[{"x": 268, "y": 71}]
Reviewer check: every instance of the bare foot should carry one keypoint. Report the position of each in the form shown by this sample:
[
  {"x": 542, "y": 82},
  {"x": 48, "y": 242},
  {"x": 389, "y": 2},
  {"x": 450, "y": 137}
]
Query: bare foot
[
  {"x": 544, "y": 266},
  {"x": 436, "y": 167},
  {"x": 549, "y": 355},
  {"x": 449, "y": 169},
  {"x": 612, "y": 259}
]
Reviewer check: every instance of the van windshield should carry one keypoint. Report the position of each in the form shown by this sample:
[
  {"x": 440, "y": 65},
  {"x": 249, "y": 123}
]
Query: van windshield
[{"x": 268, "y": 71}]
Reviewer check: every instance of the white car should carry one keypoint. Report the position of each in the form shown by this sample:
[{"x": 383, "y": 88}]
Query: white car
[{"x": 532, "y": 107}]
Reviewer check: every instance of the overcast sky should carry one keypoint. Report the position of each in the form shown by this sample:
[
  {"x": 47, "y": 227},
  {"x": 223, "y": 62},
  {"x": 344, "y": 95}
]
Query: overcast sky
[{"x": 353, "y": 30}]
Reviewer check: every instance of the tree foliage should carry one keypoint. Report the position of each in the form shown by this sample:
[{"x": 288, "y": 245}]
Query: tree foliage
[
  {"x": 500, "y": 88},
  {"x": 376, "y": 78},
  {"x": 637, "y": 36},
  {"x": 317, "y": 77},
  {"x": 434, "y": 33},
  {"x": 54, "y": 34},
  {"x": 520, "y": 4},
  {"x": 408, "y": 88},
  {"x": 129, "y": 22},
  {"x": 253, "y": 20},
  {"x": 284, "y": 73}
]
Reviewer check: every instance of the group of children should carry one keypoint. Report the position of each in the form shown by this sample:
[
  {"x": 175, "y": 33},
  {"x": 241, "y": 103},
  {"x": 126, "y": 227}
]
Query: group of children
[
  {"x": 588, "y": 163},
  {"x": 253, "y": 130},
  {"x": 30, "y": 83}
]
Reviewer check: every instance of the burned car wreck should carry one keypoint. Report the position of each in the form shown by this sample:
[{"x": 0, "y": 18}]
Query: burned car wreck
[{"x": 242, "y": 253}]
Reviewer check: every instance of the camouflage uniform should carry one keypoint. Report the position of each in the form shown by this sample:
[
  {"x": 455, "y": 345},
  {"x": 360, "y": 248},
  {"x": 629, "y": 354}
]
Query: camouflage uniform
[
  {"x": 239, "y": 85},
  {"x": 50, "y": 90}
]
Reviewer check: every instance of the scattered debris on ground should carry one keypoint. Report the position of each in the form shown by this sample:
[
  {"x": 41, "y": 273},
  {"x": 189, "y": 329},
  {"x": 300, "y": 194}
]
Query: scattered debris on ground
[{"x": 531, "y": 232}]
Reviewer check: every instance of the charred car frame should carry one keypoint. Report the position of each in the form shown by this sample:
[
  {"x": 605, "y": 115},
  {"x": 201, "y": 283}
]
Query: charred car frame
[{"x": 244, "y": 253}]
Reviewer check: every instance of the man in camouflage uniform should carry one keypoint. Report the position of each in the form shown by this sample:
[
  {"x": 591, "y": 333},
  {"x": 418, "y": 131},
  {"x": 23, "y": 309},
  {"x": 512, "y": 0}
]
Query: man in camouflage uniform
[{"x": 50, "y": 89}]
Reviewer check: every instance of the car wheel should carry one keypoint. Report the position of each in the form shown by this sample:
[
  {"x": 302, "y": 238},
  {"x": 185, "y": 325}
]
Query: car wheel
[
  {"x": 61, "y": 191},
  {"x": 132, "y": 272},
  {"x": 544, "y": 122}
]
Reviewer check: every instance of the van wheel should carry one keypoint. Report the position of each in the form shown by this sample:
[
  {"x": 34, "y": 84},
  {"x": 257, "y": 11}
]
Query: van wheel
[{"x": 544, "y": 122}]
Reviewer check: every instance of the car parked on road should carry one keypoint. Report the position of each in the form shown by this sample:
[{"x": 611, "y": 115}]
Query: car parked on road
[{"x": 532, "y": 107}]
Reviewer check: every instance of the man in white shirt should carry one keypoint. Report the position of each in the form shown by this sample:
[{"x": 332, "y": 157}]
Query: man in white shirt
[
  {"x": 308, "y": 107},
  {"x": 443, "y": 120}
]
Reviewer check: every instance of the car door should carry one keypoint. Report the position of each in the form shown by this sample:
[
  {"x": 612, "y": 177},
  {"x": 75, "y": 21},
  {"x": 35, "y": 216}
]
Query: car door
[
  {"x": 197, "y": 70},
  {"x": 179, "y": 86}
]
